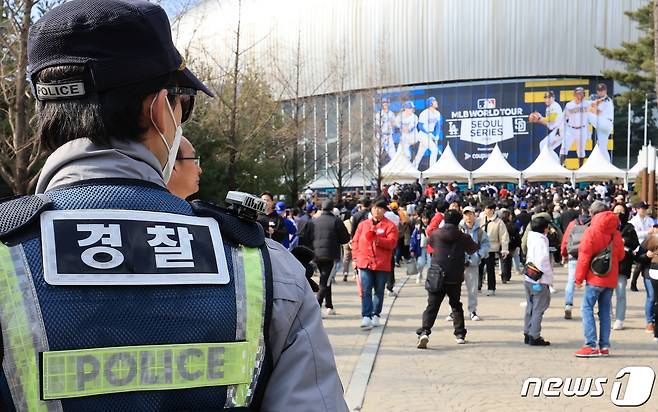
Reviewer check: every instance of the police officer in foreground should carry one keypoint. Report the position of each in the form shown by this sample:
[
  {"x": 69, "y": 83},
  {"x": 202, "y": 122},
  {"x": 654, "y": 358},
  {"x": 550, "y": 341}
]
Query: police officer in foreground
[{"x": 115, "y": 295}]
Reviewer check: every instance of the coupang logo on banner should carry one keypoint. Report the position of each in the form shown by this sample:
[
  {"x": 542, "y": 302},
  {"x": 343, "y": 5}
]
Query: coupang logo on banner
[
  {"x": 487, "y": 124},
  {"x": 638, "y": 388}
]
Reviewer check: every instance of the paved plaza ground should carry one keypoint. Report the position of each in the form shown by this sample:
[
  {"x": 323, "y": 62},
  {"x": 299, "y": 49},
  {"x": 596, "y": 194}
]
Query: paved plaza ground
[{"x": 487, "y": 373}]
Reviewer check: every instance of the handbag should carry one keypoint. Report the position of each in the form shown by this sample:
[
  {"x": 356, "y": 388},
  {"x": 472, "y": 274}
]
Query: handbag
[
  {"x": 602, "y": 262},
  {"x": 412, "y": 268},
  {"x": 435, "y": 278},
  {"x": 532, "y": 271},
  {"x": 653, "y": 271},
  {"x": 653, "y": 274}
]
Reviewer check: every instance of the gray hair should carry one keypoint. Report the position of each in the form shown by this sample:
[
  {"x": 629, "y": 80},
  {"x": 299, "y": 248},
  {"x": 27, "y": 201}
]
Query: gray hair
[{"x": 597, "y": 207}]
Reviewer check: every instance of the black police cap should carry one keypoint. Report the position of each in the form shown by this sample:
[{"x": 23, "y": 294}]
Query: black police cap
[{"x": 119, "y": 42}]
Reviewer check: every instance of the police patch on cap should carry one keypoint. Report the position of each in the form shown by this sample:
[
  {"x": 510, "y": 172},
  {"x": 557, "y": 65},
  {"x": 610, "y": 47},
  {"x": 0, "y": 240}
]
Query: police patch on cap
[{"x": 59, "y": 91}]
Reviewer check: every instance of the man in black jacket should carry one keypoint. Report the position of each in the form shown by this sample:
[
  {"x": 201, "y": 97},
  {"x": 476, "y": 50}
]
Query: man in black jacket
[
  {"x": 272, "y": 222},
  {"x": 326, "y": 233},
  {"x": 568, "y": 215},
  {"x": 361, "y": 215},
  {"x": 449, "y": 245}
]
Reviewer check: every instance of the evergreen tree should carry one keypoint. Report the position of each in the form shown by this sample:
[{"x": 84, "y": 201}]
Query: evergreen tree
[{"x": 639, "y": 77}]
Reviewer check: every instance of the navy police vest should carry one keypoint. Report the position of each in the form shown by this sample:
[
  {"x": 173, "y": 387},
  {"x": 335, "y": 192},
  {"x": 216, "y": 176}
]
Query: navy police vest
[{"x": 115, "y": 297}]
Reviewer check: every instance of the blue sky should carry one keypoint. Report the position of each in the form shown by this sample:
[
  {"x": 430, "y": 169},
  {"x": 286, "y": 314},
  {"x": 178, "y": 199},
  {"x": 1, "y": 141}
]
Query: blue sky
[{"x": 173, "y": 7}]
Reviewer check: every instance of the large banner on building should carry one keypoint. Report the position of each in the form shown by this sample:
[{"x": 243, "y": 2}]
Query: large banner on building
[{"x": 569, "y": 115}]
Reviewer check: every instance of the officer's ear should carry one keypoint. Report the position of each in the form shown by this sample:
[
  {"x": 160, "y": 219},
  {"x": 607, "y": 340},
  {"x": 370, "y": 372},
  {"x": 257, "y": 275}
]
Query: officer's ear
[{"x": 155, "y": 112}]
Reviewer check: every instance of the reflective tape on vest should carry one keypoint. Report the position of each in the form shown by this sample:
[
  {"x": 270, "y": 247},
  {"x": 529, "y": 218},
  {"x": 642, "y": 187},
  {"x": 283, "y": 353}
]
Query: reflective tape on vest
[
  {"x": 255, "y": 291},
  {"x": 85, "y": 372},
  {"x": 22, "y": 332}
]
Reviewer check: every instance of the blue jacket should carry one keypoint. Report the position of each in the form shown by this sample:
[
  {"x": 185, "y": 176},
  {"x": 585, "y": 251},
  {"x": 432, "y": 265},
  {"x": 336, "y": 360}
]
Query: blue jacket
[
  {"x": 291, "y": 240},
  {"x": 414, "y": 243}
]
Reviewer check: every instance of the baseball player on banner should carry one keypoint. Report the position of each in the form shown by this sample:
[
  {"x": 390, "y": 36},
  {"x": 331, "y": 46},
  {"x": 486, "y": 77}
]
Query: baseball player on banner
[
  {"x": 552, "y": 120},
  {"x": 429, "y": 132},
  {"x": 602, "y": 113},
  {"x": 575, "y": 126},
  {"x": 384, "y": 123},
  {"x": 407, "y": 122}
]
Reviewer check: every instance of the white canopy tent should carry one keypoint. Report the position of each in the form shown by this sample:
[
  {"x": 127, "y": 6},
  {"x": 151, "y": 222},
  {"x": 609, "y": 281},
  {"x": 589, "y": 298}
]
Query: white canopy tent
[
  {"x": 632, "y": 173},
  {"x": 641, "y": 163},
  {"x": 496, "y": 169},
  {"x": 358, "y": 179},
  {"x": 546, "y": 167},
  {"x": 447, "y": 168},
  {"x": 400, "y": 170},
  {"x": 322, "y": 182},
  {"x": 327, "y": 181},
  {"x": 596, "y": 167}
]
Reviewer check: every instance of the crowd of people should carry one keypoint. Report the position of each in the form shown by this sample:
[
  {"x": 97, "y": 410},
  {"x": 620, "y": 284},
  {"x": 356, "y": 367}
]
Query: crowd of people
[{"x": 458, "y": 236}]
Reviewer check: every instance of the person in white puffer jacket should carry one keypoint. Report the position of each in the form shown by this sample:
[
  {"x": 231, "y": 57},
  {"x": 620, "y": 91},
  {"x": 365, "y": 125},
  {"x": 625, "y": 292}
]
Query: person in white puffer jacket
[{"x": 537, "y": 293}]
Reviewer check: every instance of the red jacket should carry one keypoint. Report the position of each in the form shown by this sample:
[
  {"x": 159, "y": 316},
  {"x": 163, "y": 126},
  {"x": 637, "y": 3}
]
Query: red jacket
[
  {"x": 373, "y": 245},
  {"x": 602, "y": 230},
  {"x": 434, "y": 224}
]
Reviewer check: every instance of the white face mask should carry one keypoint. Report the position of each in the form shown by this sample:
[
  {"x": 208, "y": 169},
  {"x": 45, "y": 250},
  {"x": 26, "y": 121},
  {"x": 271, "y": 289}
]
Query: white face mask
[{"x": 173, "y": 149}]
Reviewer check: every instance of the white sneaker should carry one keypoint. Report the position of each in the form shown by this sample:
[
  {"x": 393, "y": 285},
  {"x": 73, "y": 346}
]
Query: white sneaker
[
  {"x": 392, "y": 293},
  {"x": 418, "y": 278},
  {"x": 366, "y": 323},
  {"x": 460, "y": 340},
  {"x": 619, "y": 325},
  {"x": 422, "y": 341},
  {"x": 475, "y": 317},
  {"x": 568, "y": 311},
  {"x": 491, "y": 293},
  {"x": 552, "y": 290},
  {"x": 449, "y": 318},
  {"x": 375, "y": 321},
  {"x": 330, "y": 312}
]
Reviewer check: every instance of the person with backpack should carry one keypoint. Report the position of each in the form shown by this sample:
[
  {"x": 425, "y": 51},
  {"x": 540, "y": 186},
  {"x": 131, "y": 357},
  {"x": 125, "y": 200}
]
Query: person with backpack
[
  {"x": 600, "y": 251},
  {"x": 569, "y": 251}
]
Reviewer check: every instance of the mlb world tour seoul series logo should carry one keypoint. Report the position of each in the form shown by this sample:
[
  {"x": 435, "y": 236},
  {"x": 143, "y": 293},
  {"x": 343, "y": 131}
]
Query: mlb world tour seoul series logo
[
  {"x": 638, "y": 388},
  {"x": 487, "y": 124}
]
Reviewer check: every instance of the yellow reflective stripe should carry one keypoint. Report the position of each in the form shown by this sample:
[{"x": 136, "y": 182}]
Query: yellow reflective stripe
[
  {"x": 85, "y": 372},
  {"x": 255, "y": 287},
  {"x": 19, "y": 348}
]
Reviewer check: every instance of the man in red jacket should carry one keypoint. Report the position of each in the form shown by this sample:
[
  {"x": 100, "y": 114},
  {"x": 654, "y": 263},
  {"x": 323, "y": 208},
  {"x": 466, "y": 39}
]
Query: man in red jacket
[
  {"x": 372, "y": 251},
  {"x": 435, "y": 222},
  {"x": 603, "y": 231}
]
